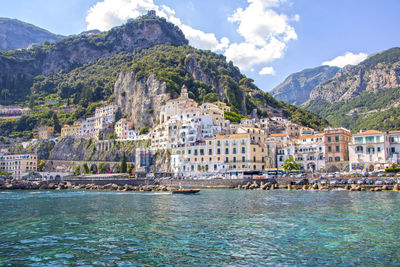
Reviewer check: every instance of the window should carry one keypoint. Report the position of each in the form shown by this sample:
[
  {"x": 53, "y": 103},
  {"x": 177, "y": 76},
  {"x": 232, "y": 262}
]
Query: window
[
  {"x": 218, "y": 151},
  {"x": 329, "y": 138},
  {"x": 337, "y": 149},
  {"x": 369, "y": 139},
  {"x": 201, "y": 151},
  {"x": 243, "y": 159},
  {"x": 358, "y": 140},
  {"x": 210, "y": 151},
  {"x": 393, "y": 149},
  {"x": 226, "y": 150},
  {"x": 329, "y": 149},
  {"x": 379, "y": 149},
  {"x": 218, "y": 143},
  {"x": 337, "y": 158},
  {"x": 189, "y": 151},
  {"x": 359, "y": 149},
  {"x": 226, "y": 159},
  {"x": 234, "y": 150},
  {"x": 243, "y": 150},
  {"x": 254, "y": 158},
  {"x": 378, "y": 139},
  {"x": 337, "y": 138},
  {"x": 234, "y": 159},
  {"x": 195, "y": 152}
]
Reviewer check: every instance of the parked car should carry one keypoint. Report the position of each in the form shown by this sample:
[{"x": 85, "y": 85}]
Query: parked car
[
  {"x": 352, "y": 181},
  {"x": 323, "y": 182},
  {"x": 314, "y": 181},
  {"x": 302, "y": 181},
  {"x": 361, "y": 181},
  {"x": 343, "y": 181},
  {"x": 388, "y": 181},
  {"x": 381, "y": 174},
  {"x": 334, "y": 182},
  {"x": 379, "y": 182},
  {"x": 331, "y": 175},
  {"x": 369, "y": 181}
]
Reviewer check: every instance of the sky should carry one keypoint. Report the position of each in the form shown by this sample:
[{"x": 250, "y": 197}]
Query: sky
[{"x": 267, "y": 39}]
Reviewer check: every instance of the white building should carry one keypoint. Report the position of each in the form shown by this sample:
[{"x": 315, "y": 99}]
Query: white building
[{"x": 368, "y": 151}]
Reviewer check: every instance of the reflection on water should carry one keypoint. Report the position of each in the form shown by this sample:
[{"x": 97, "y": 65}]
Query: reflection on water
[{"x": 216, "y": 227}]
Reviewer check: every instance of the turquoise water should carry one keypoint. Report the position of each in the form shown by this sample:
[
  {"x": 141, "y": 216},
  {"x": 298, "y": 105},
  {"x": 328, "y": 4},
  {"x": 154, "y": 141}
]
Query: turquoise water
[{"x": 216, "y": 227}]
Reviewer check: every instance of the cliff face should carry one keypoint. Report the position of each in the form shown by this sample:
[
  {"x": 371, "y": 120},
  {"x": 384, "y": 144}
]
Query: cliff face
[
  {"x": 18, "y": 67},
  {"x": 17, "y": 34},
  {"x": 378, "y": 72},
  {"x": 140, "y": 100},
  {"x": 297, "y": 87}
]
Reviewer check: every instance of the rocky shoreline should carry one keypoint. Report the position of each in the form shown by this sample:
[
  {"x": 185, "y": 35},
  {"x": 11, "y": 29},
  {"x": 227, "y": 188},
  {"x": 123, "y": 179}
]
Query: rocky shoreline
[
  {"x": 15, "y": 184},
  {"x": 353, "y": 187}
]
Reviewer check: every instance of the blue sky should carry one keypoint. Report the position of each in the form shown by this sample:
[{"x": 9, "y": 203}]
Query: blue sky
[{"x": 272, "y": 37}]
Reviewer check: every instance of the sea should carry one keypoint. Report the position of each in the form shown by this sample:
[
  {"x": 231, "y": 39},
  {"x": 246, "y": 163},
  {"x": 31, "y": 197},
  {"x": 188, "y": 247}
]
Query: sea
[{"x": 213, "y": 228}]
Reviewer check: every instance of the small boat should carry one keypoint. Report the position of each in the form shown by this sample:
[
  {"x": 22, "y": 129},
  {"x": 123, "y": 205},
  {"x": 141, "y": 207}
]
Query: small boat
[{"x": 185, "y": 191}]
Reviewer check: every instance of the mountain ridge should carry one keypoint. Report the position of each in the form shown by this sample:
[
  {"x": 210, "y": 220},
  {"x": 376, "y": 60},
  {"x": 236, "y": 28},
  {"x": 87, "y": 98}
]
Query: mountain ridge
[
  {"x": 16, "y": 34},
  {"x": 296, "y": 88}
]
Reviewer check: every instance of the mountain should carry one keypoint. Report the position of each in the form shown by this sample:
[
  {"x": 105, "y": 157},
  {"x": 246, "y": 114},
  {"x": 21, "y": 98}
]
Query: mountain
[
  {"x": 139, "y": 66},
  {"x": 20, "y": 69},
  {"x": 17, "y": 34},
  {"x": 362, "y": 96},
  {"x": 296, "y": 88}
]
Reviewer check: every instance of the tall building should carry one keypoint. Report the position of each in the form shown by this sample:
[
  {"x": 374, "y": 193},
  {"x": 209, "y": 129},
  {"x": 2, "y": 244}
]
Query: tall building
[
  {"x": 19, "y": 164},
  {"x": 336, "y": 149}
]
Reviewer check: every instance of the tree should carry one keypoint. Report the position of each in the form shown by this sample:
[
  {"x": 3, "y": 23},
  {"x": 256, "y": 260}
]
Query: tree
[
  {"x": 85, "y": 168},
  {"x": 123, "y": 164},
  {"x": 290, "y": 164},
  {"x": 77, "y": 170},
  {"x": 102, "y": 167},
  {"x": 41, "y": 165},
  {"x": 56, "y": 123}
]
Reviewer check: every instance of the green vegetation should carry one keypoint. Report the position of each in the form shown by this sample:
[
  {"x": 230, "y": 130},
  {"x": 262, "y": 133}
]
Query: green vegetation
[
  {"x": 144, "y": 130},
  {"x": 290, "y": 164},
  {"x": 41, "y": 165},
  {"x": 85, "y": 168},
  {"x": 233, "y": 117},
  {"x": 102, "y": 167},
  {"x": 367, "y": 111},
  {"x": 124, "y": 167},
  {"x": 77, "y": 170}
]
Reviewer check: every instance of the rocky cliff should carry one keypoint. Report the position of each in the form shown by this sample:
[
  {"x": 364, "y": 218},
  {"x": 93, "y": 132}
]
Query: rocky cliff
[
  {"x": 19, "y": 67},
  {"x": 17, "y": 34},
  {"x": 140, "y": 100},
  {"x": 297, "y": 87},
  {"x": 378, "y": 72}
]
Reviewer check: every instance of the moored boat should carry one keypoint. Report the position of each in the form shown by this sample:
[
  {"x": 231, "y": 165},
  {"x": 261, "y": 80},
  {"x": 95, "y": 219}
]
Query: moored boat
[{"x": 185, "y": 191}]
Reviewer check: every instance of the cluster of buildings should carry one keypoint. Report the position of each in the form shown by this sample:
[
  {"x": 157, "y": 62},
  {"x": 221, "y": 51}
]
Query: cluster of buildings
[
  {"x": 200, "y": 139},
  {"x": 103, "y": 118}
]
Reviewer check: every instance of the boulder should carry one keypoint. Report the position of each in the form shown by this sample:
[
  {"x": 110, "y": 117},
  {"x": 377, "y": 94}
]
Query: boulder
[{"x": 396, "y": 187}]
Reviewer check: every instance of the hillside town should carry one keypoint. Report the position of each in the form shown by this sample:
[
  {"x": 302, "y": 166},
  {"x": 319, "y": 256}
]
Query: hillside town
[{"x": 200, "y": 140}]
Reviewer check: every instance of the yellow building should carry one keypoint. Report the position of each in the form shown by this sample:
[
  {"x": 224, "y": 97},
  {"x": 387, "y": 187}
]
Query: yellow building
[
  {"x": 121, "y": 128},
  {"x": 224, "y": 153},
  {"x": 18, "y": 165},
  {"x": 71, "y": 130},
  {"x": 223, "y": 106}
]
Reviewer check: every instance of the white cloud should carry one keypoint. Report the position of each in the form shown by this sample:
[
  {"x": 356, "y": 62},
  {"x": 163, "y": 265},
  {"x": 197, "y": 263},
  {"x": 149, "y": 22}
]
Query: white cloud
[
  {"x": 265, "y": 32},
  {"x": 109, "y": 13},
  {"x": 348, "y": 59},
  {"x": 267, "y": 71}
]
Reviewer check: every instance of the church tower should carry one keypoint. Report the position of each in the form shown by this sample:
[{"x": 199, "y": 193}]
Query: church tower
[{"x": 184, "y": 92}]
